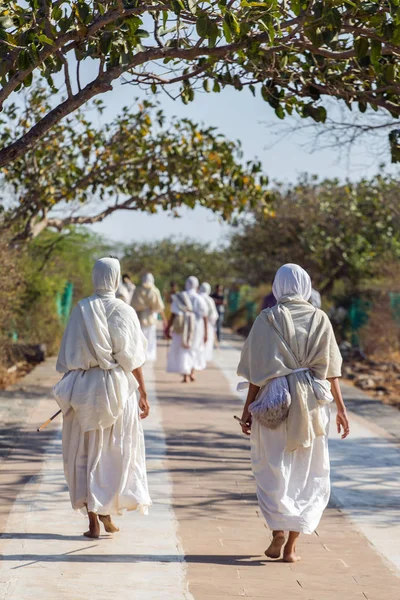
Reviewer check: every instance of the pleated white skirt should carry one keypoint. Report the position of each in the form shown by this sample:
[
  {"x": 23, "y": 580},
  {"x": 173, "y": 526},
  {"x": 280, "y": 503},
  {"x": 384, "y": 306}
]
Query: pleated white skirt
[
  {"x": 293, "y": 488},
  {"x": 106, "y": 469},
  {"x": 150, "y": 334}
]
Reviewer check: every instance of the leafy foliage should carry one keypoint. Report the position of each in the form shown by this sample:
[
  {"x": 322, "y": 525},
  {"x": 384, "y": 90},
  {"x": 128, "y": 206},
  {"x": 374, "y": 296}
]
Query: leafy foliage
[
  {"x": 136, "y": 162},
  {"x": 176, "y": 260},
  {"x": 334, "y": 230},
  {"x": 294, "y": 52},
  {"x": 45, "y": 265}
]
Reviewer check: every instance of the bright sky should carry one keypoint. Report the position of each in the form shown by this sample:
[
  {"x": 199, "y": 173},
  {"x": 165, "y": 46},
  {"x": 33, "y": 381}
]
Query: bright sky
[{"x": 239, "y": 116}]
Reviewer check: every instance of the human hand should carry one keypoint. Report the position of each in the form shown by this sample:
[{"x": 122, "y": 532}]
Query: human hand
[
  {"x": 342, "y": 423},
  {"x": 144, "y": 405},
  {"x": 205, "y": 338},
  {"x": 246, "y": 417}
]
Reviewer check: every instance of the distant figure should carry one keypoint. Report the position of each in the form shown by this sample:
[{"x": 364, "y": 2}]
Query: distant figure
[
  {"x": 126, "y": 289},
  {"x": 148, "y": 304},
  {"x": 315, "y": 299},
  {"x": 212, "y": 318},
  {"x": 220, "y": 303},
  {"x": 173, "y": 288},
  {"x": 101, "y": 355},
  {"x": 268, "y": 301},
  {"x": 189, "y": 326}
]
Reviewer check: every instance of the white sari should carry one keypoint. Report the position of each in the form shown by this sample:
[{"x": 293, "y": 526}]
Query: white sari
[
  {"x": 103, "y": 442},
  {"x": 291, "y": 463},
  {"x": 182, "y": 358},
  {"x": 212, "y": 318}
]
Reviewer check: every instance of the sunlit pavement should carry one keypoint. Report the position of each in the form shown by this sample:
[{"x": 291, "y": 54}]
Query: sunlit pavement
[{"x": 204, "y": 537}]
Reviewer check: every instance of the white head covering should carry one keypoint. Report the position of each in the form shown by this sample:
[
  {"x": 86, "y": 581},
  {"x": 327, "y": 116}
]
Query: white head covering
[
  {"x": 205, "y": 288},
  {"x": 106, "y": 275},
  {"x": 148, "y": 279},
  {"x": 292, "y": 280},
  {"x": 192, "y": 283}
]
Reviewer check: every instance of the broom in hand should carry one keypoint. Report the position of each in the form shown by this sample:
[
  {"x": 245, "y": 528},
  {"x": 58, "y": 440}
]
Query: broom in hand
[{"x": 48, "y": 421}]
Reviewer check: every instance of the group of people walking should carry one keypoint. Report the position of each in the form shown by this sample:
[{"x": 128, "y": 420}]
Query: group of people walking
[
  {"x": 194, "y": 323},
  {"x": 290, "y": 363}
]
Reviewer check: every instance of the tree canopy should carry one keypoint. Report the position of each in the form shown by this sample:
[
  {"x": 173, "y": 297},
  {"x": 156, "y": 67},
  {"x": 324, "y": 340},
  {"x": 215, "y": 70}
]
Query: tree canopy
[
  {"x": 335, "y": 231},
  {"x": 177, "y": 259},
  {"x": 295, "y": 52},
  {"x": 79, "y": 173}
]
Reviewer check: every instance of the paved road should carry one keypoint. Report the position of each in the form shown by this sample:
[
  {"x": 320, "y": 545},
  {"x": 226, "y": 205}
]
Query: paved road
[{"x": 204, "y": 538}]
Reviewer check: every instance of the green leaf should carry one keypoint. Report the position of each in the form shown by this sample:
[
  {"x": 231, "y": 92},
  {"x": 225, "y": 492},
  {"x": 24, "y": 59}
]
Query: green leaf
[
  {"x": 43, "y": 39},
  {"x": 376, "y": 52},
  {"x": 83, "y": 11},
  {"x": 142, "y": 33},
  {"x": 28, "y": 80},
  {"x": 280, "y": 113},
  {"x": 57, "y": 13},
  {"x": 105, "y": 42},
  {"x": 227, "y": 32},
  {"x": 232, "y": 23},
  {"x": 202, "y": 25},
  {"x": 361, "y": 46}
]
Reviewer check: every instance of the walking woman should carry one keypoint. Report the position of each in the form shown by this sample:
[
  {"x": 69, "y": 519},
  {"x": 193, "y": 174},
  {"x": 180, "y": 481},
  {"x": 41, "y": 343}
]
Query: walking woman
[
  {"x": 103, "y": 399},
  {"x": 189, "y": 325},
  {"x": 212, "y": 318},
  {"x": 148, "y": 304},
  {"x": 288, "y": 359}
]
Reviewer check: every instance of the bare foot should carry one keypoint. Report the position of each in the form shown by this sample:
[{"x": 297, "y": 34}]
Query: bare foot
[
  {"x": 192, "y": 378},
  {"x": 94, "y": 532},
  {"x": 275, "y": 548},
  {"x": 291, "y": 557},
  {"x": 108, "y": 524},
  {"x": 184, "y": 380},
  {"x": 94, "y": 526}
]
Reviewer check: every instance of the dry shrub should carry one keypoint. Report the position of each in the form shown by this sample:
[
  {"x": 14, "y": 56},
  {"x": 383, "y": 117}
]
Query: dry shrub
[
  {"x": 11, "y": 289},
  {"x": 380, "y": 338}
]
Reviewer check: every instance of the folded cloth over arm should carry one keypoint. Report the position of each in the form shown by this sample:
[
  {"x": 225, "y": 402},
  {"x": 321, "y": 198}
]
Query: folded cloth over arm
[
  {"x": 98, "y": 379},
  {"x": 284, "y": 339}
]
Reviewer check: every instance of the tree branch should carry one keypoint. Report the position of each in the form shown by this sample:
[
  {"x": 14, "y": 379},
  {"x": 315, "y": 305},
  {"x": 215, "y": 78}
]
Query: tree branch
[
  {"x": 102, "y": 84},
  {"x": 61, "y": 43}
]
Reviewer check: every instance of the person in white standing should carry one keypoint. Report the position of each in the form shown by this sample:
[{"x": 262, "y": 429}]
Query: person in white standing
[
  {"x": 148, "y": 304},
  {"x": 188, "y": 323},
  {"x": 291, "y": 356},
  {"x": 126, "y": 289},
  {"x": 212, "y": 318},
  {"x": 103, "y": 399}
]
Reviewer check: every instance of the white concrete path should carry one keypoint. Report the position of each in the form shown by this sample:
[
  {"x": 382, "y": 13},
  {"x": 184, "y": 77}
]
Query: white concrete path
[
  {"x": 43, "y": 556},
  {"x": 365, "y": 470}
]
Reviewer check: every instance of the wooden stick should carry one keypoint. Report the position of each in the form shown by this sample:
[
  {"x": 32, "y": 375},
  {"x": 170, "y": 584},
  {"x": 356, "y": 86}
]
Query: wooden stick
[{"x": 49, "y": 421}]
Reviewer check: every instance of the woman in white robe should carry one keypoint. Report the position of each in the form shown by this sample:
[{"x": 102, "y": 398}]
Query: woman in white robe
[
  {"x": 103, "y": 399},
  {"x": 212, "y": 318},
  {"x": 295, "y": 342},
  {"x": 189, "y": 332},
  {"x": 148, "y": 304}
]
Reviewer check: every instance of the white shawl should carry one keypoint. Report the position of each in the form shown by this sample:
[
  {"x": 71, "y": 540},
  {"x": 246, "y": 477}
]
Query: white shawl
[
  {"x": 147, "y": 301},
  {"x": 212, "y": 315},
  {"x": 101, "y": 346},
  {"x": 290, "y": 336}
]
